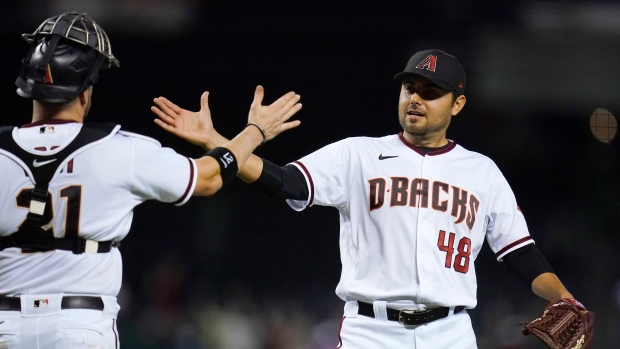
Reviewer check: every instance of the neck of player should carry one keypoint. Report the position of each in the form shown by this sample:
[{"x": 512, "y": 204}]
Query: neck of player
[
  {"x": 73, "y": 110},
  {"x": 427, "y": 141}
]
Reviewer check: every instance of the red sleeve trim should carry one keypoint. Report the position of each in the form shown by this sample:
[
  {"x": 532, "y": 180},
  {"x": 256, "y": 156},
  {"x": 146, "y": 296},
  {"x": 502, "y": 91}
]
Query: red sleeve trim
[
  {"x": 339, "y": 333},
  {"x": 509, "y": 246},
  {"x": 189, "y": 183},
  {"x": 309, "y": 181}
]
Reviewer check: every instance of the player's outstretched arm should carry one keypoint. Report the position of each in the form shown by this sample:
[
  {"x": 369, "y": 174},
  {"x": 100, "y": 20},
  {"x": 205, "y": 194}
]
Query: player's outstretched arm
[
  {"x": 549, "y": 287},
  {"x": 264, "y": 123}
]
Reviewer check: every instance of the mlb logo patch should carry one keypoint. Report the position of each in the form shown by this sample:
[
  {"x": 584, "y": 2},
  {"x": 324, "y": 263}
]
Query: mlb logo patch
[
  {"x": 46, "y": 129},
  {"x": 41, "y": 303}
]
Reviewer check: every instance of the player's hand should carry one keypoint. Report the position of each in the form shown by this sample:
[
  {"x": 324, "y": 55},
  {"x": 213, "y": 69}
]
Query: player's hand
[
  {"x": 194, "y": 127},
  {"x": 272, "y": 119}
]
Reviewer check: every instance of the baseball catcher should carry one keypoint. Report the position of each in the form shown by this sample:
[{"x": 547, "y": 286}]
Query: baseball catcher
[
  {"x": 565, "y": 324},
  {"x": 69, "y": 189}
]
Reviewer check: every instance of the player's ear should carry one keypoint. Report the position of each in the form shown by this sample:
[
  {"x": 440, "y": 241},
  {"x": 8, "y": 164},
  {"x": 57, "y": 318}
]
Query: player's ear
[
  {"x": 458, "y": 104},
  {"x": 84, "y": 97}
]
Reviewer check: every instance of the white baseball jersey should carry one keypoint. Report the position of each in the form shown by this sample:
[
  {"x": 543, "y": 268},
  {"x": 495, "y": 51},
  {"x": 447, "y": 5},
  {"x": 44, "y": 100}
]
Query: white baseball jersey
[
  {"x": 411, "y": 225},
  {"x": 93, "y": 194}
]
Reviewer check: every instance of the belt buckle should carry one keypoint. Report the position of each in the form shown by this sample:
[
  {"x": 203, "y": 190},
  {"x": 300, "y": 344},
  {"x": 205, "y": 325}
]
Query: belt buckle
[{"x": 401, "y": 320}]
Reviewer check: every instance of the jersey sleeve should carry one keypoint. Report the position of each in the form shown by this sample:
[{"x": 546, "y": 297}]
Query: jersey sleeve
[
  {"x": 506, "y": 229},
  {"x": 160, "y": 173},
  {"x": 328, "y": 172}
]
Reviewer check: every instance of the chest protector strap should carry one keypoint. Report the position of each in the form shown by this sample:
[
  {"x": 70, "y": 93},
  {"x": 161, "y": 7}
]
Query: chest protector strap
[{"x": 31, "y": 236}]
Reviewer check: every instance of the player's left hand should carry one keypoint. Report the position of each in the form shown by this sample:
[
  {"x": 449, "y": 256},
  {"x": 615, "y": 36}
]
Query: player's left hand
[
  {"x": 194, "y": 127},
  {"x": 565, "y": 324},
  {"x": 273, "y": 119}
]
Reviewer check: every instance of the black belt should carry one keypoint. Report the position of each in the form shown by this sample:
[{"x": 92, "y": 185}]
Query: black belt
[
  {"x": 409, "y": 317},
  {"x": 68, "y": 302},
  {"x": 76, "y": 245}
]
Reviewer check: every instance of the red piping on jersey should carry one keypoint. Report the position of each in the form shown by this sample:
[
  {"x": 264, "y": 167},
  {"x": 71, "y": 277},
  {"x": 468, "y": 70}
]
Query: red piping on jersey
[
  {"x": 309, "y": 179},
  {"x": 339, "y": 333},
  {"x": 450, "y": 146},
  {"x": 189, "y": 184},
  {"x": 518, "y": 242},
  {"x": 115, "y": 334}
]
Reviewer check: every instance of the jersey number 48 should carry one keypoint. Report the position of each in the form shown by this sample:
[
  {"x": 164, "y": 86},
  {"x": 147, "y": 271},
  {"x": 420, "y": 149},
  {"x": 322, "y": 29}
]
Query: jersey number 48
[{"x": 461, "y": 260}]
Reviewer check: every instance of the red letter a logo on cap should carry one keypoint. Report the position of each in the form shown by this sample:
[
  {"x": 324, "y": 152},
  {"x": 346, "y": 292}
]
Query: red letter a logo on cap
[{"x": 428, "y": 63}]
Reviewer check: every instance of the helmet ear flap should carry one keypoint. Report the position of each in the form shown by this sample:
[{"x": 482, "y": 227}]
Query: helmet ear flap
[
  {"x": 37, "y": 71},
  {"x": 58, "y": 70},
  {"x": 34, "y": 73}
]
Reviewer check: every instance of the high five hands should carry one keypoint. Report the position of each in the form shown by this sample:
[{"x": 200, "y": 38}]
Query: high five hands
[{"x": 197, "y": 127}]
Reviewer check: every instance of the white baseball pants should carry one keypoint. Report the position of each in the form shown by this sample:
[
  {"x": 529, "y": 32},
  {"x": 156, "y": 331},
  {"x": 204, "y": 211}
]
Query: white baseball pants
[{"x": 52, "y": 328}]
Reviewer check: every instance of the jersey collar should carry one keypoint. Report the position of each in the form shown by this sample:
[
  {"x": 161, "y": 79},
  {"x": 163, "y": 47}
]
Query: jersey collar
[
  {"x": 428, "y": 151},
  {"x": 49, "y": 122}
]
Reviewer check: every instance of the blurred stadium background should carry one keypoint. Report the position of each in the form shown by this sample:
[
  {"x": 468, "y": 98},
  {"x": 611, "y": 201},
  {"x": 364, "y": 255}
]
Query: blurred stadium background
[{"x": 243, "y": 271}]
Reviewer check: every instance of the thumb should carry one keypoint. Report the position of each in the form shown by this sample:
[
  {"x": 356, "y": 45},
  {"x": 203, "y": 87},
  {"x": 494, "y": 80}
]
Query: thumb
[
  {"x": 259, "y": 93},
  {"x": 204, "y": 101}
]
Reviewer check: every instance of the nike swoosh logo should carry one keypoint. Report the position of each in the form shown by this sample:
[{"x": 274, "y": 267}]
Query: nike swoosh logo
[
  {"x": 36, "y": 162},
  {"x": 381, "y": 157}
]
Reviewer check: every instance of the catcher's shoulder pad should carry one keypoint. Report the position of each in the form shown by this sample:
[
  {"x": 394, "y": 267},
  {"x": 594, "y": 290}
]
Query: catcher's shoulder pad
[
  {"x": 565, "y": 324},
  {"x": 139, "y": 136}
]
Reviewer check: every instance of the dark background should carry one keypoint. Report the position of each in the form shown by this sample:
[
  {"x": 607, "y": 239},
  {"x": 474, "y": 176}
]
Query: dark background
[{"x": 241, "y": 270}]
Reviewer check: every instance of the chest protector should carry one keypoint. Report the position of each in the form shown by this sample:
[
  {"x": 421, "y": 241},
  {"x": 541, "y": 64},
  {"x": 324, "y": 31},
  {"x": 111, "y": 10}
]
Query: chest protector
[{"x": 31, "y": 237}]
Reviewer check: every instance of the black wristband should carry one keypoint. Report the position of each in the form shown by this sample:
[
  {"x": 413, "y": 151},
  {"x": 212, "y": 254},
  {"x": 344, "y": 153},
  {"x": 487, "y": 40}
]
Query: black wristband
[
  {"x": 227, "y": 161},
  {"x": 260, "y": 129}
]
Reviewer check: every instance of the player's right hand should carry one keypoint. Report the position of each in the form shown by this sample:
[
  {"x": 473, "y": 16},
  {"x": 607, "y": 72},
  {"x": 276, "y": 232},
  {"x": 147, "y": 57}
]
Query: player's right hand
[
  {"x": 197, "y": 127},
  {"x": 194, "y": 127},
  {"x": 272, "y": 119}
]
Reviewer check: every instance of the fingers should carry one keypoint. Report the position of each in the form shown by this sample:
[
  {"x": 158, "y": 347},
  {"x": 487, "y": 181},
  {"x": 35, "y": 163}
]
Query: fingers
[
  {"x": 273, "y": 117},
  {"x": 165, "y": 109},
  {"x": 289, "y": 125},
  {"x": 292, "y": 111},
  {"x": 283, "y": 127},
  {"x": 259, "y": 94},
  {"x": 161, "y": 115},
  {"x": 165, "y": 126},
  {"x": 165, "y": 114},
  {"x": 166, "y": 105},
  {"x": 284, "y": 100},
  {"x": 292, "y": 106},
  {"x": 204, "y": 101},
  {"x": 165, "y": 121}
]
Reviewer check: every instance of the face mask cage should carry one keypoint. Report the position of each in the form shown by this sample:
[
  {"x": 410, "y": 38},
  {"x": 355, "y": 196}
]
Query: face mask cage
[{"x": 77, "y": 27}]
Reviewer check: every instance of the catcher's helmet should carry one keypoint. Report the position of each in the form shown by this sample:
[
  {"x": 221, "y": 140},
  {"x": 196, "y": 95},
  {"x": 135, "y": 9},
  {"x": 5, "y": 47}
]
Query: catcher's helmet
[{"x": 66, "y": 53}]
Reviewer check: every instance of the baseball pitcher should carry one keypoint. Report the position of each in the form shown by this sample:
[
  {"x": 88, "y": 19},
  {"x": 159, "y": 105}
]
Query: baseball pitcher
[{"x": 415, "y": 210}]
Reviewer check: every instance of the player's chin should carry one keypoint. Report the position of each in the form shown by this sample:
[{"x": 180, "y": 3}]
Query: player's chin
[
  {"x": 418, "y": 130},
  {"x": 413, "y": 125}
]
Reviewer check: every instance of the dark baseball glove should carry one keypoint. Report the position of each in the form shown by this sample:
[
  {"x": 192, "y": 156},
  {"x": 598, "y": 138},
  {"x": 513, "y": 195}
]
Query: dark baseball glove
[{"x": 565, "y": 324}]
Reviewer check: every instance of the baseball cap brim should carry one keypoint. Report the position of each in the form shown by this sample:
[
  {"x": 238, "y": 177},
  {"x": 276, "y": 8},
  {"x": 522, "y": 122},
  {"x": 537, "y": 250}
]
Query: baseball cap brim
[{"x": 403, "y": 75}]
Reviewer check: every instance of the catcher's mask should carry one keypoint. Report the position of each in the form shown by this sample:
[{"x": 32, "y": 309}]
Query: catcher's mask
[{"x": 66, "y": 53}]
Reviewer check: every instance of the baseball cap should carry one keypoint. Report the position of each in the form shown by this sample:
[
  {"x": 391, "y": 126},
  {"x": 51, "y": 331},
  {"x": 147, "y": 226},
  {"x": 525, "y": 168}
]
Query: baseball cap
[{"x": 442, "y": 69}]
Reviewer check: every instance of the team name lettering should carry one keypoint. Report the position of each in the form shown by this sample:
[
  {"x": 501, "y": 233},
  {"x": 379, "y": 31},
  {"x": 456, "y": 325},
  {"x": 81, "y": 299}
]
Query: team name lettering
[{"x": 422, "y": 193}]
